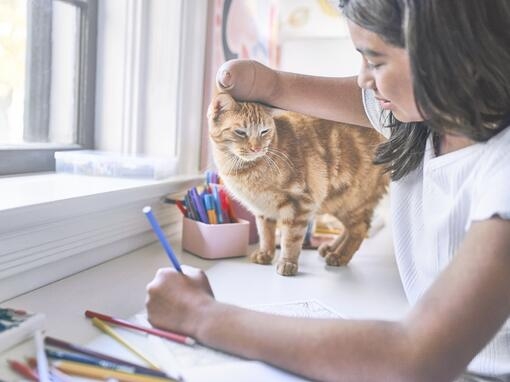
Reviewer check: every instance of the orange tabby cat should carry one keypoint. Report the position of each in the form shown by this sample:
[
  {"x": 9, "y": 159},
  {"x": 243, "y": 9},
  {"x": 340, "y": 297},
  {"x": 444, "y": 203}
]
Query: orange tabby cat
[{"x": 287, "y": 167}]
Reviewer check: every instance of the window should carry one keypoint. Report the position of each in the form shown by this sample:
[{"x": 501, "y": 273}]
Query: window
[
  {"x": 147, "y": 67},
  {"x": 150, "y": 73},
  {"x": 47, "y": 81}
]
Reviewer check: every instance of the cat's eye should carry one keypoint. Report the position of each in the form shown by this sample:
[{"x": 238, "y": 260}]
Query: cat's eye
[
  {"x": 264, "y": 132},
  {"x": 240, "y": 133}
]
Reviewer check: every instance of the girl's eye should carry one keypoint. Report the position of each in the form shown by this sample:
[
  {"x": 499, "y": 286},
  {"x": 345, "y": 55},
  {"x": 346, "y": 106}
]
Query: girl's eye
[
  {"x": 373, "y": 66},
  {"x": 264, "y": 132},
  {"x": 240, "y": 133}
]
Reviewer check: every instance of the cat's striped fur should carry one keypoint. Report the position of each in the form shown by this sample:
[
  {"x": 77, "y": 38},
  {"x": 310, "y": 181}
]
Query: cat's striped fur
[{"x": 287, "y": 167}]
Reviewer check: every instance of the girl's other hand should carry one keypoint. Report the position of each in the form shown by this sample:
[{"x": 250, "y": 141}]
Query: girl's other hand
[{"x": 246, "y": 80}]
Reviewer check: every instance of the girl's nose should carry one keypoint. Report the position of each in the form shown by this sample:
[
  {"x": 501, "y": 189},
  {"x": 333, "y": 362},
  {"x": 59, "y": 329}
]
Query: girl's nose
[{"x": 365, "y": 78}]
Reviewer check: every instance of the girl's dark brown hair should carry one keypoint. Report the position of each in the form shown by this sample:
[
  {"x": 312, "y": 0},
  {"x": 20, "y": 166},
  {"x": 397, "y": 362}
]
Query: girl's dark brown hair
[{"x": 460, "y": 63}]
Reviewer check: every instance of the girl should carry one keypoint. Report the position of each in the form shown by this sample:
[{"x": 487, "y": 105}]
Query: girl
[{"x": 435, "y": 79}]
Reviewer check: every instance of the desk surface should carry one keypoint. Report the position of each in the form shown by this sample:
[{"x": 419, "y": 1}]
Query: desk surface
[{"x": 368, "y": 288}]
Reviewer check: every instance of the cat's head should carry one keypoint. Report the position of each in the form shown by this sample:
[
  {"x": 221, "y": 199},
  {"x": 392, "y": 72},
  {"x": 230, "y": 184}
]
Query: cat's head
[{"x": 245, "y": 129}]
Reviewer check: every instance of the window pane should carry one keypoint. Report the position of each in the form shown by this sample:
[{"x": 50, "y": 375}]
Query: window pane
[
  {"x": 39, "y": 72},
  {"x": 13, "y": 38},
  {"x": 65, "y": 43},
  {"x": 47, "y": 81}
]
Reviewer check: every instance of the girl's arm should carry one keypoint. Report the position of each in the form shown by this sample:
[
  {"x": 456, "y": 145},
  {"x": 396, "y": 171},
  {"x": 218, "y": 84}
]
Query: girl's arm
[
  {"x": 337, "y": 99},
  {"x": 453, "y": 321}
]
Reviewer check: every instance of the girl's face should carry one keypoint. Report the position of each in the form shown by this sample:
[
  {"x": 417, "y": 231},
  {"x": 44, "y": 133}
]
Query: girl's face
[{"x": 386, "y": 70}]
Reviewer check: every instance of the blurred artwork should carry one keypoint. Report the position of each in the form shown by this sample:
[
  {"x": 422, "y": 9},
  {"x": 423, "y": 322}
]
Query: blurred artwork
[{"x": 245, "y": 29}]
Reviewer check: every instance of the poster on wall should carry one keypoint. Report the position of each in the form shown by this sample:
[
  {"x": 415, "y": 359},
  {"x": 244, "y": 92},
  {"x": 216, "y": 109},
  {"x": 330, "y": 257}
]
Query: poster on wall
[
  {"x": 243, "y": 29},
  {"x": 239, "y": 29}
]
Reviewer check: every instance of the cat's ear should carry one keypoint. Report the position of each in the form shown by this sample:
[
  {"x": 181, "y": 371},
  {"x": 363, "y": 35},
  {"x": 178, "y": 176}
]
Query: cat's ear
[{"x": 221, "y": 103}]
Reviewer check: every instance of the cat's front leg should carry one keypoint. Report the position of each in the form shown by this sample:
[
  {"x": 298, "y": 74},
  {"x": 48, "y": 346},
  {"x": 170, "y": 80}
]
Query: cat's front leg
[
  {"x": 266, "y": 229},
  {"x": 293, "y": 233},
  {"x": 341, "y": 250}
]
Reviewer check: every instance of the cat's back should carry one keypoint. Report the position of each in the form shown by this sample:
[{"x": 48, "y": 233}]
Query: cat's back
[{"x": 324, "y": 135}]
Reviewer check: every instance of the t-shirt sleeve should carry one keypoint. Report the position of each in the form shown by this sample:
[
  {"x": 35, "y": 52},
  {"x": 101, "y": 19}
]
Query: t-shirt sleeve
[
  {"x": 491, "y": 197},
  {"x": 374, "y": 112}
]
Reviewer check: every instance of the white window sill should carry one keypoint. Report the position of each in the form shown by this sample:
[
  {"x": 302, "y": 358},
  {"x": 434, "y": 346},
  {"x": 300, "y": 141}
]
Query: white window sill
[
  {"x": 54, "y": 225},
  {"x": 30, "y": 190}
]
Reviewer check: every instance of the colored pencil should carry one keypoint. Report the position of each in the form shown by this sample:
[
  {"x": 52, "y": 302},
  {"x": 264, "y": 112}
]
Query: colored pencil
[
  {"x": 58, "y": 376},
  {"x": 180, "y": 338},
  {"x": 50, "y": 341},
  {"x": 197, "y": 201},
  {"x": 83, "y": 370},
  {"x": 102, "y": 363},
  {"x": 209, "y": 205},
  {"x": 224, "y": 205},
  {"x": 161, "y": 236},
  {"x": 217, "y": 205},
  {"x": 42, "y": 361},
  {"x": 55, "y": 375},
  {"x": 180, "y": 206},
  {"x": 23, "y": 370},
  {"x": 107, "y": 330}
]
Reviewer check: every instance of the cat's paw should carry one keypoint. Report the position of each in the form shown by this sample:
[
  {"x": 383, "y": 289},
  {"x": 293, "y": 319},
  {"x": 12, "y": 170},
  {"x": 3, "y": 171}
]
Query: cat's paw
[
  {"x": 286, "y": 268},
  {"x": 262, "y": 257},
  {"x": 332, "y": 258},
  {"x": 337, "y": 261},
  {"x": 325, "y": 250}
]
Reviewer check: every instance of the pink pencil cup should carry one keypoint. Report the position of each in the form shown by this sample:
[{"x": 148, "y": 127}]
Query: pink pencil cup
[
  {"x": 215, "y": 241},
  {"x": 241, "y": 212}
]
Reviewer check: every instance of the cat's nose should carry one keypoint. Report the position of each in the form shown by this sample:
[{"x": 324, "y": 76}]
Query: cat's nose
[{"x": 255, "y": 149}]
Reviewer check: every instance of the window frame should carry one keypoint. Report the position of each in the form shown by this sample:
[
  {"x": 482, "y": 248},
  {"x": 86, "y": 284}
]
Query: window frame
[{"x": 39, "y": 157}]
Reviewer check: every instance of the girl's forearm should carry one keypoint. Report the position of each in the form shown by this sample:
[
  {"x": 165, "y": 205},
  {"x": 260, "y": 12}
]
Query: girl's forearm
[
  {"x": 337, "y": 99},
  {"x": 317, "y": 349}
]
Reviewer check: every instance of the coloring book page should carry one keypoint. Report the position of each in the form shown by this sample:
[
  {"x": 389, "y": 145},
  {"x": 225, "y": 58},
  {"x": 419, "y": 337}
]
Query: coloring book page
[{"x": 196, "y": 362}]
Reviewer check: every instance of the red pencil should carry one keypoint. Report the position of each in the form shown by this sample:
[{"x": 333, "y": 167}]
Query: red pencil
[
  {"x": 180, "y": 206},
  {"x": 23, "y": 370},
  {"x": 157, "y": 332}
]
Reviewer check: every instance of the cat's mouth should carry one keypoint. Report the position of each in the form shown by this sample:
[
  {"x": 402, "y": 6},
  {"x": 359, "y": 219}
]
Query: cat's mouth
[{"x": 251, "y": 156}]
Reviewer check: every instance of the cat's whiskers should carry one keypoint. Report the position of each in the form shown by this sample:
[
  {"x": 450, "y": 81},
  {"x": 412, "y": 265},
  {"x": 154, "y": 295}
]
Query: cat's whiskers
[
  {"x": 272, "y": 164},
  {"x": 233, "y": 161},
  {"x": 282, "y": 156},
  {"x": 238, "y": 164}
]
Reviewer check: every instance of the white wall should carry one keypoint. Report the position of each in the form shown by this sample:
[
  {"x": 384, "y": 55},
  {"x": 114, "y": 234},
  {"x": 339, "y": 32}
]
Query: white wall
[{"x": 314, "y": 39}]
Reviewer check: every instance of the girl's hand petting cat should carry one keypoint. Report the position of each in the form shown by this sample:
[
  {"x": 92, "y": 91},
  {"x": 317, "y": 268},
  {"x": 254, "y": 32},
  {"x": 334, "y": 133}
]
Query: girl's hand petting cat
[
  {"x": 175, "y": 300},
  {"x": 247, "y": 80}
]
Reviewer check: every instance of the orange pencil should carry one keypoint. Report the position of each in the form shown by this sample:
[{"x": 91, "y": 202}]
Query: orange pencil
[
  {"x": 212, "y": 216},
  {"x": 230, "y": 210}
]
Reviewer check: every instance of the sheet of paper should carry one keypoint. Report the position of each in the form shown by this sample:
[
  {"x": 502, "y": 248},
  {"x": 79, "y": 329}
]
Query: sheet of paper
[{"x": 199, "y": 363}]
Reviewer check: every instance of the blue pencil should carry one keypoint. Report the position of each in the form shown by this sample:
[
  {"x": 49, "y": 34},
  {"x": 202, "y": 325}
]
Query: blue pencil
[
  {"x": 161, "y": 236},
  {"x": 105, "y": 364}
]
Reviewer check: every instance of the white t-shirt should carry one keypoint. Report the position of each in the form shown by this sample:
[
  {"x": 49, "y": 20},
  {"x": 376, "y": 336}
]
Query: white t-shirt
[{"x": 434, "y": 206}]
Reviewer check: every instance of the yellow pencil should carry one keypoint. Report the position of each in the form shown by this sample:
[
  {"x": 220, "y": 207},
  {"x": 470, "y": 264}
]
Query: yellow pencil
[
  {"x": 328, "y": 231},
  {"x": 106, "y": 329},
  {"x": 84, "y": 370},
  {"x": 212, "y": 216}
]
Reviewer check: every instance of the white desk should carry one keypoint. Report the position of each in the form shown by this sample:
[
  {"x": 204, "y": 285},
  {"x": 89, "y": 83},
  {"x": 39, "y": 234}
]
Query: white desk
[{"x": 368, "y": 288}]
